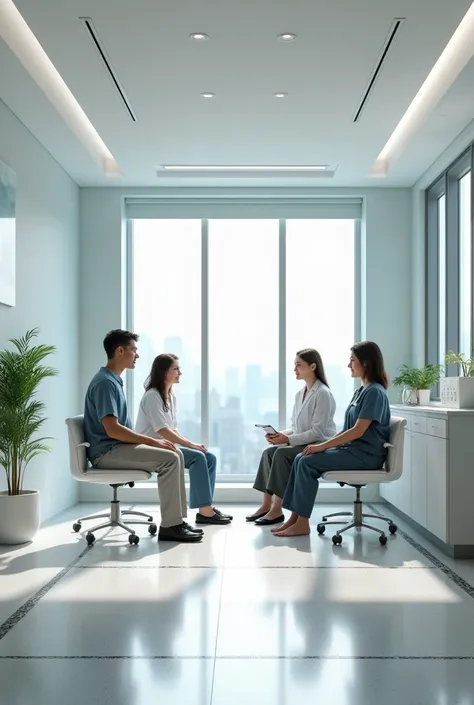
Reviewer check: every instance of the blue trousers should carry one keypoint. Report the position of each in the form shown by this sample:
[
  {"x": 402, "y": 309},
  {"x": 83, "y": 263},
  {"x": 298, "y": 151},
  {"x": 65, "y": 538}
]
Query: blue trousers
[
  {"x": 202, "y": 476},
  {"x": 303, "y": 484}
]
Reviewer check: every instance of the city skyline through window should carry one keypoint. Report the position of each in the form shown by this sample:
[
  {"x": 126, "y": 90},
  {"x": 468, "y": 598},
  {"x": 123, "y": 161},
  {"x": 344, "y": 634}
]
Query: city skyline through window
[{"x": 242, "y": 320}]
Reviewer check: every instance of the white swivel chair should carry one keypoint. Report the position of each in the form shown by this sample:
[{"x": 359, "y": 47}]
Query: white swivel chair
[
  {"x": 391, "y": 471},
  {"x": 83, "y": 472}
]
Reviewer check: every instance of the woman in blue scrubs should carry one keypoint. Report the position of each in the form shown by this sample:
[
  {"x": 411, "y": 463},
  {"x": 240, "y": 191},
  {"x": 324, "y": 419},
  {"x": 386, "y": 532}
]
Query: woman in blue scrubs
[{"x": 359, "y": 446}]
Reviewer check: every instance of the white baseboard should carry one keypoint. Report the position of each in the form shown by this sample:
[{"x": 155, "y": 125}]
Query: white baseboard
[{"x": 225, "y": 493}]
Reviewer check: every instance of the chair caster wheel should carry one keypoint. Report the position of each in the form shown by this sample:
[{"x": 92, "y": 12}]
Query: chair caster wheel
[
  {"x": 393, "y": 528},
  {"x": 90, "y": 538},
  {"x": 77, "y": 526},
  {"x": 337, "y": 539},
  {"x": 383, "y": 540},
  {"x": 321, "y": 529},
  {"x": 133, "y": 539},
  {"x": 152, "y": 529}
]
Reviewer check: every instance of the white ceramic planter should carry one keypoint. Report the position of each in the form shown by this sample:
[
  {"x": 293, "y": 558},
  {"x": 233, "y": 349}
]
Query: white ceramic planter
[
  {"x": 457, "y": 392},
  {"x": 19, "y": 517},
  {"x": 424, "y": 397},
  {"x": 415, "y": 397}
]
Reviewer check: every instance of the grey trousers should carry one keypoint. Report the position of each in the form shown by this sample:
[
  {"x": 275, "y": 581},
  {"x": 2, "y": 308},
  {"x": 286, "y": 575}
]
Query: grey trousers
[
  {"x": 169, "y": 467},
  {"x": 275, "y": 468}
]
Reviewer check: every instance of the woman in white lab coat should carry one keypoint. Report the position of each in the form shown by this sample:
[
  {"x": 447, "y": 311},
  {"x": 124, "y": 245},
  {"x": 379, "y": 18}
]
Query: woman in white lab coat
[{"x": 312, "y": 421}]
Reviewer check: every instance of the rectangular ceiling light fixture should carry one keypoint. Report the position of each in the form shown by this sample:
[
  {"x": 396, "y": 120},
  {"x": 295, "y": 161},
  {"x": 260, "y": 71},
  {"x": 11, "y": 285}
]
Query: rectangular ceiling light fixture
[
  {"x": 23, "y": 43},
  {"x": 267, "y": 168},
  {"x": 453, "y": 59}
]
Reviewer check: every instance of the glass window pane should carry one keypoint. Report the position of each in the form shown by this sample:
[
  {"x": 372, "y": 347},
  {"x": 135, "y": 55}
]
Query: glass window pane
[
  {"x": 243, "y": 340},
  {"x": 320, "y": 290},
  {"x": 465, "y": 255},
  {"x": 442, "y": 279},
  {"x": 167, "y": 309}
]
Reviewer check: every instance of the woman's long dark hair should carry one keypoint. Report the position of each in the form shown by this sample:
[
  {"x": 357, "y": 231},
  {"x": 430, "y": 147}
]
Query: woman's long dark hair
[
  {"x": 311, "y": 356},
  {"x": 156, "y": 378},
  {"x": 371, "y": 358}
]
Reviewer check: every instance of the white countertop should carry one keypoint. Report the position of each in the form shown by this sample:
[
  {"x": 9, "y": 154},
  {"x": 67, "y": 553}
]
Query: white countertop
[{"x": 434, "y": 408}]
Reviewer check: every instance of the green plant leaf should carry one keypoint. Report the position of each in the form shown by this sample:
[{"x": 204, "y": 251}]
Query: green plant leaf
[
  {"x": 22, "y": 414},
  {"x": 418, "y": 377}
]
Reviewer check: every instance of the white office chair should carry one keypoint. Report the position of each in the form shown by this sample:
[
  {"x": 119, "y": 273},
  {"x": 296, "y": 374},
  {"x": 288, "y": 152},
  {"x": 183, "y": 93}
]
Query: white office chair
[
  {"x": 83, "y": 472},
  {"x": 391, "y": 471}
]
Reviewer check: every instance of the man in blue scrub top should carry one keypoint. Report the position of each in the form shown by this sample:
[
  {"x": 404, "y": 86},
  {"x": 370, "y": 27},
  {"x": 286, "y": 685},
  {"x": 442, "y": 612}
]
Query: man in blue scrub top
[
  {"x": 359, "y": 446},
  {"x": 114, "y": 445}
]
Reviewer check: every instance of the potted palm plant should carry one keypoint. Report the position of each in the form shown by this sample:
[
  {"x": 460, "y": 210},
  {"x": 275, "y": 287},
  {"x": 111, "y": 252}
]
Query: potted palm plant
[
  {"x": 458, "y": 392},
  {"x": 417, "y": 383},
  {"x": 21, "y": 417}
]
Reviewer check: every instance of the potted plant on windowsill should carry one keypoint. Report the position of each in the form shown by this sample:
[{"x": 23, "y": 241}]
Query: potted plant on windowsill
[
  {"x": 21, "y": 417},
  {"x": 458, "y": 392},
  {"x": 417, "y": 383}
]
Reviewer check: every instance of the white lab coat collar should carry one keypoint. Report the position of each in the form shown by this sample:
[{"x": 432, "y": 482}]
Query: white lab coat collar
[{"x": 312, "y": 390}]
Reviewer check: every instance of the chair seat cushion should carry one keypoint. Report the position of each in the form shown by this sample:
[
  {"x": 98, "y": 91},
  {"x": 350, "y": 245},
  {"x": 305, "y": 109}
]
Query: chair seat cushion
[
  {"x": 108, "y": 477},
  {"x": 356, "y": 477}
]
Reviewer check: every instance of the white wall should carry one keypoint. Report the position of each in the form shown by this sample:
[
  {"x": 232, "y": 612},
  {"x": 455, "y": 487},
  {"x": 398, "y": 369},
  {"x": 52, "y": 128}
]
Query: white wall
[
  {"x": 387, "y": 285},
  {"x": 47, "y": 294}
]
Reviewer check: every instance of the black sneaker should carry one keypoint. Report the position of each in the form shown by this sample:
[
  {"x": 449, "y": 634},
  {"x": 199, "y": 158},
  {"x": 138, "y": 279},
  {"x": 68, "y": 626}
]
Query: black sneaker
[
  {"x": 192, "y": 529},
  {"x": 221, "y": 514},
  {"x": 178, "y": 533}
]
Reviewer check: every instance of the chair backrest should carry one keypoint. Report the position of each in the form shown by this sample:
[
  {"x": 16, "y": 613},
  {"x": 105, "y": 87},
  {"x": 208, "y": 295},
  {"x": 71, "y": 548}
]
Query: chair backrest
[
  {"x": 77, "y": 446},
  {"x": 394, "y": 462}
]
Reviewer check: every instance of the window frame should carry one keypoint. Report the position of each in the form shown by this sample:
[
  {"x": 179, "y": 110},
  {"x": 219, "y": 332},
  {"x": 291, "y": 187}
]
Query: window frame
[
  {"x": 239, "y": 479},
  {"x": 447, "y": 184}
]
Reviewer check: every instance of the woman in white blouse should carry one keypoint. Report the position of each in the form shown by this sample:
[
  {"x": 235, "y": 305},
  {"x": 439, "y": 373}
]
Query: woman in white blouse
[
  {"x": 157, "y": 417},
  {"x": 312, "y": 421}
]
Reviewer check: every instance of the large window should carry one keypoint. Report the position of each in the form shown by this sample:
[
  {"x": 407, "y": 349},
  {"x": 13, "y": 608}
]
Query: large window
[
  {"x": 235, "y": 299},
  {"x": 320, "y": 286},
  {"x": 449, "y": 262},
  {"x": 166, "y": 299},
  {"x": 465, "y": 251},
  {"x": 442, "y": 278}
]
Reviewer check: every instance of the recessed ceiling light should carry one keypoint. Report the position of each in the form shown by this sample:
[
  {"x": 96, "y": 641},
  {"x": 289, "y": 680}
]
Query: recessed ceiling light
[
  {"x": 199, "y": 36},
  {"x": 208, "y": 95},
  {"x": 280, "y": 95},
  {"x": 287, "y": 37},
  {"x": 253, "y": 167},
  {"x": 453, "y": 59},
  {"x": 21, "y": 40}
]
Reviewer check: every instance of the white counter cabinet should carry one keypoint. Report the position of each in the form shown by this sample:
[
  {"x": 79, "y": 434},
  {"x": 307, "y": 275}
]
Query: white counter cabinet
[{"x": 436, "y": 488}]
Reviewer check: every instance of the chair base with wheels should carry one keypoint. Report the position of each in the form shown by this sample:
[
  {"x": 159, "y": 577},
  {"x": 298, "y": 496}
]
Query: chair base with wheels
[
  {"x": 83, "y": 472},
  {"x": 391, "y": 471},
  {"x": 356, "y": 521},
  {"x": 115, "y": 519}
]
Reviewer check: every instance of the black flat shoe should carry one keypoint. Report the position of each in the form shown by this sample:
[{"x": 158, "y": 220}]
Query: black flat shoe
[
  {"x": 254, "y": 517},
  {"x": 221, "y": 514},
  {"x": 215, "y": 519},
  {"x": 192, "y": 529},
  {"x": 270, "y": 522},
  {"x": 178, "y": 533}
]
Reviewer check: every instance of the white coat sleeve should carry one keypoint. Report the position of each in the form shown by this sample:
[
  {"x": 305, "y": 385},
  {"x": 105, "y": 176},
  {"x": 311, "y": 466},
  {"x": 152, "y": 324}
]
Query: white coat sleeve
[{"x": 323, "y": 415}]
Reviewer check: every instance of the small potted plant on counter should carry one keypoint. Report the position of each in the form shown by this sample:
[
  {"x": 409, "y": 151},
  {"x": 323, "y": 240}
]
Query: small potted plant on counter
[
  {"x": 21, "y": 417},
  {"x": 458, "y": 392},
  {"x": 417, "y": 383}
]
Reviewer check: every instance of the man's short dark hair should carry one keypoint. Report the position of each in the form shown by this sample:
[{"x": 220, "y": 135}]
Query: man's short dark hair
[{"x": 117, "y": 339}]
